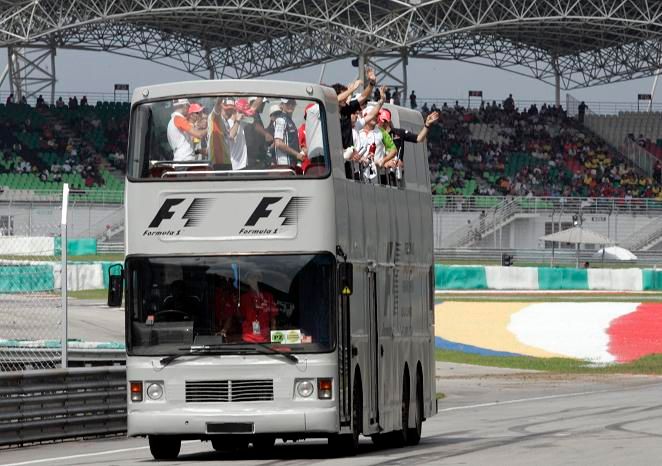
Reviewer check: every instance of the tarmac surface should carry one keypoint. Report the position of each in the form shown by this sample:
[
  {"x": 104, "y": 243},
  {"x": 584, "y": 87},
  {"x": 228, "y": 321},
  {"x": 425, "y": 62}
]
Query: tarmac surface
[{"x": 489, "y": 416}]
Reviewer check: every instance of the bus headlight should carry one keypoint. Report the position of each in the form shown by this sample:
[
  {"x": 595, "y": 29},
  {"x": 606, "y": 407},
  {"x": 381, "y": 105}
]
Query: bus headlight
[
  {"x": 155, "y": 391},
  {"x": 305, "y": 388}
]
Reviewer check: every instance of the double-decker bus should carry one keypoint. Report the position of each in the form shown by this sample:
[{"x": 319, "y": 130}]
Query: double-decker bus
[{"x": 269, "y": 296}]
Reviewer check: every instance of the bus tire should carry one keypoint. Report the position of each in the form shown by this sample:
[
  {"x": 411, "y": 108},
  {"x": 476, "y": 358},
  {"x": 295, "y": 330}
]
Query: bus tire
[
  {"x": 164, "y": 447},
  {"x": 348, "y": 444},
  {"x": 264, "y": 442},
  {"x": 229, "y": 443},
  {"x": 402, "y": 436},
  {"x": 414, "y": 433}
]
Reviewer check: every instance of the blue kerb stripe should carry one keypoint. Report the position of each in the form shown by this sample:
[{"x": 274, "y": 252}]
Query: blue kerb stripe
[{"x": 442, "y": 343}]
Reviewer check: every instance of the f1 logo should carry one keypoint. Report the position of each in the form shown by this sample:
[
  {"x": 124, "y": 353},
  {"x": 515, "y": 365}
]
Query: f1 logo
[
  {"x": 165, "y": 212},
  {"x": 289, "y": 214},
  {"x": 262, "y": 210},
  {"x": 193, "y": 215}
]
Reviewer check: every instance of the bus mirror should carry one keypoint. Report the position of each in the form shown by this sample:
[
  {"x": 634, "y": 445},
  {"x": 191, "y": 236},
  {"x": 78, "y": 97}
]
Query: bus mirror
[
  {"x": 346, "y": 272},
  {"x": 115, "y": 285}
]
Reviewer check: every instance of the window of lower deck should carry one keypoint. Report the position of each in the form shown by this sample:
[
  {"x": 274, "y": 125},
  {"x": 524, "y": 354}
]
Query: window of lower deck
[
  {"x": 283, "y": 301},
  {"x": 219, "y": 137}
]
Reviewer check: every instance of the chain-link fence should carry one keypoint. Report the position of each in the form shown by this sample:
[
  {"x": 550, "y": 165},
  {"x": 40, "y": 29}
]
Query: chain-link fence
[{"x": 31, "y": 313}]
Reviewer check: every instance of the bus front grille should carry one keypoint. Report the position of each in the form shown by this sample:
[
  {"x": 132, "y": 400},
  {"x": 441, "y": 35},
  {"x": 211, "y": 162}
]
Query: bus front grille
[{"x": 224, "y": 391}]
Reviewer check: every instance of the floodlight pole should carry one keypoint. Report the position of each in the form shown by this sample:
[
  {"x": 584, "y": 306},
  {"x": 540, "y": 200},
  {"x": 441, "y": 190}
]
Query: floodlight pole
[{"x": 63, "y": 274}]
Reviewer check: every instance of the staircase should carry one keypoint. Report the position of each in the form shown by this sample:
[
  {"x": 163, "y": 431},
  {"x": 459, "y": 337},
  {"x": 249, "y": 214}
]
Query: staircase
[
  {"x": 498, "y": 217},
  {"x": 646, "y": 238}
]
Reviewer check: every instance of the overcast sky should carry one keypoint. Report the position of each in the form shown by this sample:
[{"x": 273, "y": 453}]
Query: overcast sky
[{"x": 88, "y": 72}]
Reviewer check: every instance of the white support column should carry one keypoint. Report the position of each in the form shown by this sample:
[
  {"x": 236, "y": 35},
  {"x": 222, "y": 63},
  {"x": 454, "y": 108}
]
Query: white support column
[{"x": 63, "y": 276}]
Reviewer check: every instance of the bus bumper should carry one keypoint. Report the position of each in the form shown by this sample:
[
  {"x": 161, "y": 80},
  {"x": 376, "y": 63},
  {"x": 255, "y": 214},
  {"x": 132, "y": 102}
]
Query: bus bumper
[{"x": 203, "y": 422}]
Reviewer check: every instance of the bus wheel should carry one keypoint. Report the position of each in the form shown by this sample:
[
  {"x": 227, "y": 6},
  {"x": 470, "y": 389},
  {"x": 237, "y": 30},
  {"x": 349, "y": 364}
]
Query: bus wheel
[
  {"x": 348, "y": 444},
  {"x": 401, "y": 436},
  {"x": 264, "y": 443},
  {"x": 164, "y": 447},
  {"x": 229, "y": 443},
  {"x": 414, "y": 434}
]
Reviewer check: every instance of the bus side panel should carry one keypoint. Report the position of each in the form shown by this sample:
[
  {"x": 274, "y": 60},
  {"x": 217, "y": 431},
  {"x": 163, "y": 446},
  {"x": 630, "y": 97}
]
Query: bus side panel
[{"x": 385, "y": 285}]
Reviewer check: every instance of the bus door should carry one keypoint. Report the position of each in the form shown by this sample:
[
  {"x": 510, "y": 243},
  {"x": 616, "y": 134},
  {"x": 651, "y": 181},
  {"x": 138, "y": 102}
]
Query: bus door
[
  {"x": 373, "y": 342},
  {"x": 344, "y": 345}
]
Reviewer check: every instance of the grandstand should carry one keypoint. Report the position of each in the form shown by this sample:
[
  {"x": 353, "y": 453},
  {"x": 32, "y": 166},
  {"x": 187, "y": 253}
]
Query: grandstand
[{"x": 504, "y": 162}]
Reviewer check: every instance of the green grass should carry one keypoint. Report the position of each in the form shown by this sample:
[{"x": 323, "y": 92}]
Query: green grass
[
  {"x": 89, "y": 294},
  {"x": 590, "y": 296},
  {"x": 651, "y": 365},
  {"x": 85, "y": 258}
]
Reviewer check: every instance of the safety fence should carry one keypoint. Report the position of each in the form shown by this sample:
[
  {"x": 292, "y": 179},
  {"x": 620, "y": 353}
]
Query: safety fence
[
  {"x": 46, "y": 405},
  {"x": 36, "y": 276},
  {"x": 545, "y": 278},
  {"x": 30, "y": 303}
]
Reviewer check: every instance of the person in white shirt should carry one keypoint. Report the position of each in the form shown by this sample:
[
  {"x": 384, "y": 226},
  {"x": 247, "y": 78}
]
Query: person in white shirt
[{"x": 181, "y": 132}]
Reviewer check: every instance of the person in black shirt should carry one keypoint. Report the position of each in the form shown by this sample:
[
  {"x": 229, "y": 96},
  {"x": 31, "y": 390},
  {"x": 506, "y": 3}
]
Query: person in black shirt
[
  {"x": 401, "y": 135},
  {"x": 349, "y": 107}
]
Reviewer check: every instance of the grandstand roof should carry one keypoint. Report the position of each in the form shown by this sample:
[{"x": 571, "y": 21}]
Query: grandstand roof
[{"x": 590, "y": 41}]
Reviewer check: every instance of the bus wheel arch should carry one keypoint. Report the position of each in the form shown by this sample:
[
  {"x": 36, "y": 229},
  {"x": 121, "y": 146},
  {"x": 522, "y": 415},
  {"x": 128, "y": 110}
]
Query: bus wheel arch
[{"x": 348, "y": 444}]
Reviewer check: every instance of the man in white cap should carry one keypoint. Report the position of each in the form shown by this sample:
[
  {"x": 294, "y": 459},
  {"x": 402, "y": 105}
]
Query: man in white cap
[{"x": 181, "y": 132}]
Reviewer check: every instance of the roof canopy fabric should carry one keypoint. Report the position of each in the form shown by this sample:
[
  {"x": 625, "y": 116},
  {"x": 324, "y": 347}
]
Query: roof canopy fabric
[{"x": 578, "y": 235}]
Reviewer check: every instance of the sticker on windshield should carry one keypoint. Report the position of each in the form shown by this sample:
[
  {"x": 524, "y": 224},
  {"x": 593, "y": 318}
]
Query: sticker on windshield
[{"x": 286, "y": 337}]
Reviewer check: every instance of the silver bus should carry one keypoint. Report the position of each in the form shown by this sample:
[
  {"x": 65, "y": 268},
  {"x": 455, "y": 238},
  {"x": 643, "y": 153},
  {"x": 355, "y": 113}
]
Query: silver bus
[{"x": 269, "y": 296}]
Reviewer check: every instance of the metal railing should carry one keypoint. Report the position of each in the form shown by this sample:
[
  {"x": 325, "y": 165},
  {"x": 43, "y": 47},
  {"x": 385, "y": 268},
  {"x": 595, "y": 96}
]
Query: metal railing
[
  {"x": 34, "y": 358},
  {"x": 596, "y": 107},
  {"x": 645, "y": 237},
  {"x": 541, "y": 257},
  {"x": 638, "y": 156},
  {"x": 48, "y": 405},
  {"x": 586, "y": 205},
  {"x": 92, "y": 97},
  {"x": 55, "y": 196},
  {"x": 488, "y": 222}
]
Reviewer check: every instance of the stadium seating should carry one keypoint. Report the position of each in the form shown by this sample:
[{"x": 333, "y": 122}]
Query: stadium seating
[
  {"x": 42, "y": 148},
  {"x": 536, "y": 153}
]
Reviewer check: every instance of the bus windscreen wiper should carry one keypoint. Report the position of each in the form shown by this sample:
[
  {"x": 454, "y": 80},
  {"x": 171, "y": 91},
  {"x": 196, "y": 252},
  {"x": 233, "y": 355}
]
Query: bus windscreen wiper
[
  {"x": 226, "y": 349},
  {"x": 271, "y": 350},
  {"x": 193, "y": 350}
]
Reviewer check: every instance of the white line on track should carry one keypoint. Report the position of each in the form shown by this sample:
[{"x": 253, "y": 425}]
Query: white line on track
[
  {"x": 521, "y": 400},
  {"x": 83, "y": 455}
]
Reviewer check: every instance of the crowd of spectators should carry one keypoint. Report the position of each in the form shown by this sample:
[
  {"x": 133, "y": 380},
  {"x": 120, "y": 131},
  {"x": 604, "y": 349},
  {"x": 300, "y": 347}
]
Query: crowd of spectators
[
  {"x": 530, "y": 152},
  {"x": 520, "y": 152},
  {"x": 52, "y": 141}
]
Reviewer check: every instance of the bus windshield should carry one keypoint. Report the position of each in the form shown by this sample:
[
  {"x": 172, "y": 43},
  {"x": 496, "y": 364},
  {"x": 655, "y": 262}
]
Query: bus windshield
[
  {"x": 176, "y": 304},
  {"x": 221, "y": 137}
]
